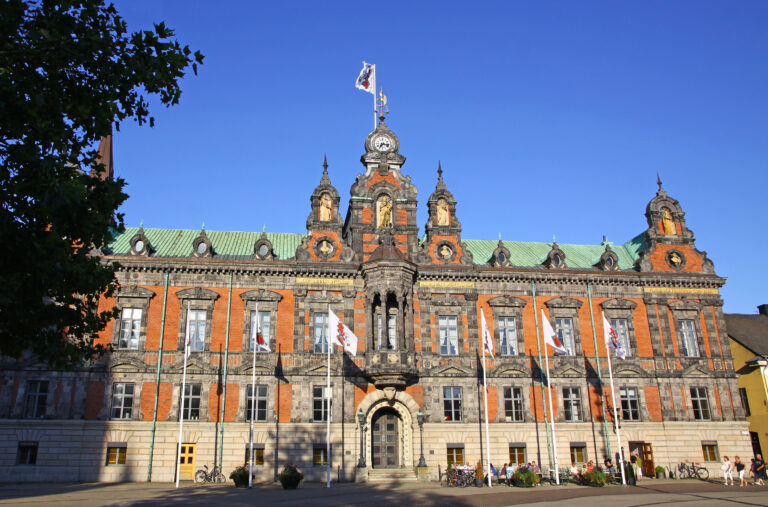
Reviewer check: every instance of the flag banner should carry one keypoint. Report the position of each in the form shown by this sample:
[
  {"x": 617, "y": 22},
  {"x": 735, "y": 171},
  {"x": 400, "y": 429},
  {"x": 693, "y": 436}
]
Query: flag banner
[
  {"x": 612, "y": 340},
  {"x": 487, "y": 338},
  {"x": 366, "y": 81},
  {"x": 340, "y": 334},
  {"x": 257, "y": 337},
  {"x": 550, "y": 337}
]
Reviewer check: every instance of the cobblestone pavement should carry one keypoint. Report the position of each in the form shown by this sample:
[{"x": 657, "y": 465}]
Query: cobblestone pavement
[{"x": 649, "y": 493}]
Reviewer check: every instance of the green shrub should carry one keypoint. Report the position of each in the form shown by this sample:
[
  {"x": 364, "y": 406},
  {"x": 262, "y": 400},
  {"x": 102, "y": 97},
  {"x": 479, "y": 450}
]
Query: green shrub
[
  {"x": 524, "y": 478},
  {"x": 594, "y": 478},
  {"x": 240, "y": 476},
  {"x": 290, "y": 477}
]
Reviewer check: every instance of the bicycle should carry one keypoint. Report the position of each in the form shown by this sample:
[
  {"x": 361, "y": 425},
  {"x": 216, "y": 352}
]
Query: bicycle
[
  {"x": 202, "y": 476},
  {"x": 692, "y": 471},
  {"x": 457, "y": 478}
]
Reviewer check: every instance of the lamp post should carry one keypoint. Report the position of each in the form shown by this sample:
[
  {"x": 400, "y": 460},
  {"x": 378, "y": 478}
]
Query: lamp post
[
  {"x": 420, "y": 418},
  {"x": 361, "y": 420}
]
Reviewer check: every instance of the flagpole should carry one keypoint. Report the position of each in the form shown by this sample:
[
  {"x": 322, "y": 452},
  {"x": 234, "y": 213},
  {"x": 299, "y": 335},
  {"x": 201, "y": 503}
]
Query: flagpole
[
  {"x": 615, "y": 415},
  {"x": 181, "y": 412},
  {"x": 254, "y": 338},
  {"x": 543, "y": 399},
  {"x": 374, "y": 99},
  {"x": 485, "y": 399},
  {"x": 552, "y": 417},
  {"x": 327, "y": 400},
  {"x": 599, "y": 372}
]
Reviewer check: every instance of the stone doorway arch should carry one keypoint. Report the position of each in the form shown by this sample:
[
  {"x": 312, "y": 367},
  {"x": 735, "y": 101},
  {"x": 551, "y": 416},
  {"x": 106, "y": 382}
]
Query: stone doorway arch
[{"x": 406, "y": 408}]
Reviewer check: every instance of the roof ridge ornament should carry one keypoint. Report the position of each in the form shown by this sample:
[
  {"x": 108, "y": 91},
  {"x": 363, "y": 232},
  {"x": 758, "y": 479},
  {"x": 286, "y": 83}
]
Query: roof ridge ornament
[
  {"x": 325, "y": 180},
  {"x": 440, "y": 183},
  {"x": 661, "y": 191}
]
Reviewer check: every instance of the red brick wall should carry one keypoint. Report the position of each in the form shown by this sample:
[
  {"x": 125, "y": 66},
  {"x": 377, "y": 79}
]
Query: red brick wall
[
  {"x": 163, "y": 404},
  {"x": 416, "y": 392},
  {"x": 284, "y": 395},
  {"x": 377, "y": 177},
  {"x": 94, "y": 399},
  {"x": 493, "y": 404},
  {"x": 214, "y": 399},
  {"x": 653, "y": 403},
  {"x": 659, "y": 258}
]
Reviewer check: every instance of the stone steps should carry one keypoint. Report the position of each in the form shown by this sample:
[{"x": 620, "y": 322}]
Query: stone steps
[{"x": 391, "y": 475}]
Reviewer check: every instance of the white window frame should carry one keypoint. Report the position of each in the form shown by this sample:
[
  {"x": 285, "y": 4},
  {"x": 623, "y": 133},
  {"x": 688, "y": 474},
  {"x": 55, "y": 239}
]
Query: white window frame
[
  {"x": 564, "y": 330},
  {"x": 452, "y": 404},
  {"x": 507, "y": 327},
  {"x": 122, "y": 402},
  {"x": 130, "y": 328},
  {"x": 513, "y": 397},
  {"x": 265, "y": 322},
  {"x": 448, "y": 331},
  {"x": 322, "y": 405},
  {"x": 262, "y": 395},
  {"x": 187, "y": 399},
  {"x": 197, "y": 321},
  {"x": 630, "y": 403},
  {"x": 621, "y": 326},
  {"x": 572, "y": 404},
  {"x": 700, "y": 404},
  {"x": 688, "y": 339},
  {"x": 320, "y": 332}
]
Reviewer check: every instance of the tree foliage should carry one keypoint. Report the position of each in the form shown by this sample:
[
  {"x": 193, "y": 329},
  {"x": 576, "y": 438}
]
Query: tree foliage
[{"x": 69, "y": 71}]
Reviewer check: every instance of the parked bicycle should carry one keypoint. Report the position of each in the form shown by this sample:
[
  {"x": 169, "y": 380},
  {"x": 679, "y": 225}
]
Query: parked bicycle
[
  {"x": 202, "y": 476},
  {"x": 692, "y": 471},
  {"x": 460, "y": 477}
]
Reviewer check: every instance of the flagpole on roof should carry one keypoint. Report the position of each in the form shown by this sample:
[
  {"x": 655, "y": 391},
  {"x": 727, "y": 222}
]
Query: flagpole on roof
[
  {"x": 615, "y": 414},
  {"x": 327, "y": 402},
  {"x": 485, "y": 400},
  {"x": 254, "y": 337},
  {"x": 551, "y": 412},
  {"x": 541, "y": 378},
  {"x": 181, "y": 409},
  {"x": 374, "y": 96}
]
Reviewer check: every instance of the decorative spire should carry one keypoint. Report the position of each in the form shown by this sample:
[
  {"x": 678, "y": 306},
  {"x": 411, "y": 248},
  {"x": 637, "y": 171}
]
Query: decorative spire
[
  {"x": 440, "y": 182},
  {"x": 382, "y": 104},
  {"x": 658, "y": 180},
  {"x": 325, "y": 180}
]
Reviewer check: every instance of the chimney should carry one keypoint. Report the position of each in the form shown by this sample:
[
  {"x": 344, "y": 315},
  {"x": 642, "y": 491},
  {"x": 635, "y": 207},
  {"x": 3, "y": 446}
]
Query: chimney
[{"x": 762, "y": 310}]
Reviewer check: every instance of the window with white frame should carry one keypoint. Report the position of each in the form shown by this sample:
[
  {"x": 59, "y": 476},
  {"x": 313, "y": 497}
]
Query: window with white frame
[
  {"x": 36, "y": 398},
  {"x": 630, "y": 403},
  {"x": 122, "y": 400},
  {"x": 513, "y": 404},
  {"x": 622, "y": 333},
  {"x": 191, "y": 402},
  {"x": 700, "y": 403},
  {"x": 320, "y": 332},
  {"x": 260, "y": 326},
  {"x": 564, "y": 329},
  {"x": 386, "y": 336},
  {"x": 688, "y": 340},
  {"x": 322, "y": 403},
  {"x": 507, "y": 336},
  {"x": 452, "y": 403},
  {"x": 130, "y": 329},
  {"x": 116, "y": 453},
  {"x": 196, "y": 321},
  {"x": 572, "y": 404},
  {"x": 256, "y": 406},
  {"x": 448, "y": 334}
]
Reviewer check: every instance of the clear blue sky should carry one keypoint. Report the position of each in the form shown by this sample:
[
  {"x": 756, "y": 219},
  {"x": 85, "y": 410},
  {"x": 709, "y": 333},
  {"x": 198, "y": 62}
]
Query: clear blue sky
[{"x": 548, "y": 117}]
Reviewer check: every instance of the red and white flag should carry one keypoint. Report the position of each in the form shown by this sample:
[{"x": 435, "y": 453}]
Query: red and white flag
[
  {"x": 487, "y": 338},
  {"x": 366, "y": 81},
  {"x": 258, "y": 337},
  {"x": 340, "y": 334},
  {"x": 612, "y": 340},
  {"x": 550, "y": 337}
]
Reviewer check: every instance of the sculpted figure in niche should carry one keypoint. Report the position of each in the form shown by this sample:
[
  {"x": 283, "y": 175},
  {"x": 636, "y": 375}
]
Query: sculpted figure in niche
[
  {"x": 325, "y": 212},
  {"x": 443, "y": 213},
  {"x": 667, "y": 222},
  {"x": 385, "y": 211}
]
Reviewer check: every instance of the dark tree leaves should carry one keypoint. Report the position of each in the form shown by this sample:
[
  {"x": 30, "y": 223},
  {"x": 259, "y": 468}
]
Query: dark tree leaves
[{"x": 69, "y": 71}]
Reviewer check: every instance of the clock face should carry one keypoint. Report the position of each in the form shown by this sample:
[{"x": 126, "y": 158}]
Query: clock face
[{"x": 382, "y": 143}]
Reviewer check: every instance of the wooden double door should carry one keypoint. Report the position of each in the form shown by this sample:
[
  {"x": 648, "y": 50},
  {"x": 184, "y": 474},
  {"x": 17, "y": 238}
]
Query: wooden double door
[{"x": 385, "y": 439}]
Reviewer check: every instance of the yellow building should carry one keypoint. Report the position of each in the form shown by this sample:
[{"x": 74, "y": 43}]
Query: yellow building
[{"x": 749, "y": 345}]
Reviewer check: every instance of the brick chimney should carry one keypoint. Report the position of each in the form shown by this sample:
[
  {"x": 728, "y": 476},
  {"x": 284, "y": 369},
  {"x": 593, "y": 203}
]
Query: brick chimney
[{"x": 762, "y": 310}]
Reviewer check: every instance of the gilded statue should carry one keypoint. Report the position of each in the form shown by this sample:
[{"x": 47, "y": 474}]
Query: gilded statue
[
  {"x": 385, "y": 211},
  {"x": 443, "y": 213},
  {"x": 445, "y": 251},
  {"x": 325, "y": 212},
  {"x": 675, "y": 258},
  {"x": 667, "y": 222}
]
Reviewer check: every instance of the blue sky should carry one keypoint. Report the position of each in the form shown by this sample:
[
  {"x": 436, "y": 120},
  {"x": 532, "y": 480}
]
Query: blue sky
[{"x": 548, "y": 117}]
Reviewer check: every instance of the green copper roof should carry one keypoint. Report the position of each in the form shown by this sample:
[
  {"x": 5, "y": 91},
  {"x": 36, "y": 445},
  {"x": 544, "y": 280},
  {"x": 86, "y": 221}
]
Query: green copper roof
[{"x": 239, "y": 245}]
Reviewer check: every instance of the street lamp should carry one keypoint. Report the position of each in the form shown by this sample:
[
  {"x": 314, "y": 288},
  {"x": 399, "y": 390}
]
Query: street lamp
[
  {"x": 420, "y": 418},
  {"x": 361, "y": 420}
]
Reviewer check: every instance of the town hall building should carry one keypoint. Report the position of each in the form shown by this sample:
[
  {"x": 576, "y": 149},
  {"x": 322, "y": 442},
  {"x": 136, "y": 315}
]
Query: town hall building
[{"x": 410, "y": 402}]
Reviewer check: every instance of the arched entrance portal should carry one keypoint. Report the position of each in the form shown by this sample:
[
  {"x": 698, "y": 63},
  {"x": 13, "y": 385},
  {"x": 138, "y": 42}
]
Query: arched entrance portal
[{"x": 385, "y": 438}]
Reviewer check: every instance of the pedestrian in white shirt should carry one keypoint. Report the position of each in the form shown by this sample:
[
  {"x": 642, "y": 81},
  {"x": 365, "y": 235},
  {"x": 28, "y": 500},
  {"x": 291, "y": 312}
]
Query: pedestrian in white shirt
[{"x": 727, "y": 468}]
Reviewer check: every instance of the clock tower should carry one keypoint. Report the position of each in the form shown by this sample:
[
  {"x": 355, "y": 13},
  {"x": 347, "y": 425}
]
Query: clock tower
[{"x": 382, "y": 201}]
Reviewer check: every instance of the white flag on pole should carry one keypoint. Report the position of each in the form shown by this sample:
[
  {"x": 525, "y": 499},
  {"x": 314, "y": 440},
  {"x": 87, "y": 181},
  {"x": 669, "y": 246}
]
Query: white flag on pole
[
  {"x": 259, "y": 340},
  {"x": 487, "y": 338},
  {"x": 340, "y": 334},
  {"x": 612, "y": 340},
  {"x": 366, "y": 81},
  {"x": 550, "y": 337}
]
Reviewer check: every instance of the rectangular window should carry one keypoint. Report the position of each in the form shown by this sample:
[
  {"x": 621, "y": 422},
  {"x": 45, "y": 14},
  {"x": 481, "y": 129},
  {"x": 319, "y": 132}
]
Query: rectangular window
[
  {"x": 262, "y": 327},
  {"x": 700, "y": 403},
  {"x": 455, "y": 454},
  {"x": 578, "y": 452},
  {"x": 319, "y": 455},
  {"x": 517, "y": 454},
  {"x": 116, "y": 454},
  {"x": 386, "y": 341},
  {"x": 449, "y": 338},
  {"x": 622, "y": 333},
  {"x": 744, "y": 401},
  {"x": 513, "y": 404},
  {"x": 564, "y": 328},
  {"x": 196, "y": 330},
  {"x": 320, "y": 333},
  {"x": 321, "y": 405},
  {"x": 688, "y": 342},
  {"x": 452, "y": 403},
  {"x": 191, "y": 402},
  {"x": 630, "y": 404},
  {"x": 710, "y": 451},
  {"x": 36, "y": 398},
  {"x": 27, "y": 453},
  {"x": 258, "y": 455},
  {"x": 122, "y": 400},
  {"x": 256, "y": 406},
  {"x": 130, "y": 328},
  {"x": 507, "y": 336},
  {"x": 572, "y": 404}
]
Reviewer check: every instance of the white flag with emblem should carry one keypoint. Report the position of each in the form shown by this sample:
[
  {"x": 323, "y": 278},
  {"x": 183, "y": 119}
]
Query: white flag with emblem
[
  {"x": 340, "y": 334},
  {"x": 487, "y": 338},
  {"x": 612, "y": 340},
  {"x": 366, "y": 81}
]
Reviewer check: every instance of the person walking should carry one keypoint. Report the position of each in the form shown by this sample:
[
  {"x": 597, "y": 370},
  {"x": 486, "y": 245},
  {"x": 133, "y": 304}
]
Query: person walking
[
  {"x": 739, "y": 466},
  {"x": 727, "y": 469},
  {"x": 760, "y": 470}
]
